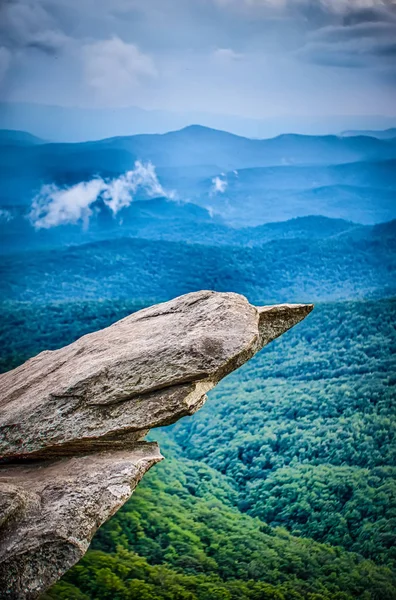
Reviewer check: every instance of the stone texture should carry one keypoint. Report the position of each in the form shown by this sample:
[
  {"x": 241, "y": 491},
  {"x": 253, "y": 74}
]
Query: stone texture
[
  {"x": 71, "y": 421},
  {"x": 51, "y": 509},
  {"x": 146, "y": 370}
]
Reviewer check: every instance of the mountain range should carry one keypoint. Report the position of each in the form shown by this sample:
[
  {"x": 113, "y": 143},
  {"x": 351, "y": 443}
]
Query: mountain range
[
  {"x": 246, "y": 182},
  {"x": 283, "y": 485},
  {"x": 74, "y": 124},
  {"x": 239, "y": 218},
  {"x": 383, "y": 134}
]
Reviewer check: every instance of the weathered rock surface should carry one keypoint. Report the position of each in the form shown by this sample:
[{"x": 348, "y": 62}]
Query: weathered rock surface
[
  {"x": 50, "y": 510},
  {"x": 71, "y": 421},
  {"x": 146, "y": 370}
]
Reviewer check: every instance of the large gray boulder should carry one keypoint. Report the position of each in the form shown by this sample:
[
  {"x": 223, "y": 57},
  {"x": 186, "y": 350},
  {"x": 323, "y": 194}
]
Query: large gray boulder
[
  {"x": 71, "y": 421},
  {"x": 50, "y": 510}
]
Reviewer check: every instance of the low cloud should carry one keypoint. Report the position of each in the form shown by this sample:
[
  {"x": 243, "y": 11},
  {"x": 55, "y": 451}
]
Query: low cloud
[
  {"x": 5, "y": 215},
  {"x": 219, "y": 185},
  {"x": 54, "y": 206}
]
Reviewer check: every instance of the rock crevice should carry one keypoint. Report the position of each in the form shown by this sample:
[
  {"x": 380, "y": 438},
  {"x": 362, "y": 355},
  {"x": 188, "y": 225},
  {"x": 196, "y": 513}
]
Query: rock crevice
[{"x": 72, "y": 421}]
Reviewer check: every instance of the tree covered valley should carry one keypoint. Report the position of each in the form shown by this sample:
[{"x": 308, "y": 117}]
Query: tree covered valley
[{"x": 282, "y": 487}]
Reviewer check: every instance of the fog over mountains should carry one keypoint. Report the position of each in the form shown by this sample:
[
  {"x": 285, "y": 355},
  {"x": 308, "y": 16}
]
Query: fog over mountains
[
  {"x": 93, "y": 231},
  {"x": 157, "y": 215},
  {"x": 208, "y": 180},
  {"x": 150, "y": 149}
]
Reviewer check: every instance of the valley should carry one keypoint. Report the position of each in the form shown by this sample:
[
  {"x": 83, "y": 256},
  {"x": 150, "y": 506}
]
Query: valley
[{"x": 283, "y": 486}]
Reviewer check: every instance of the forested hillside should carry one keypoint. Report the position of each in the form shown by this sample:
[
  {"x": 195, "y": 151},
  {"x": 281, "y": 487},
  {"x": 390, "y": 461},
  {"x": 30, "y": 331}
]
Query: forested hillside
[
  {"x": 283, "y": 486},
  {"x": 307, "y": 429},
  {"x": 181, "y": 538},
  {"x": 164, "y": 220},
  {"x": 300, "y": 438},
  {"x": 283, "y": 270}
]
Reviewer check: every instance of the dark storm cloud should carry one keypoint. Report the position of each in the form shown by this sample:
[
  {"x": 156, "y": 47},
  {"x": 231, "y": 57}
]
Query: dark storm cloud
[
  {"x": 49, "y": 25},
  {"x": 387, "y": 50},
  {"x": 361, "y": 38},
  {"x": 377, "y": 14},
  {"x": 25, "y": 24}
]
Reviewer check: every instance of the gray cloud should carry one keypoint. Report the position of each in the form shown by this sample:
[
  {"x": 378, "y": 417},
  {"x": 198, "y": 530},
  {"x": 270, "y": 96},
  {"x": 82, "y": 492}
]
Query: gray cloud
[
  {"x": 247, "y": 57},
  {"x": 113, "y": 67},
  {"x": 48, "y": 41},
  {"x": 364, "y": 37},
  {"x": 27, "y": 23},
  {"x": 5, "y": 60},
  {"x": 383, "y": 12}
]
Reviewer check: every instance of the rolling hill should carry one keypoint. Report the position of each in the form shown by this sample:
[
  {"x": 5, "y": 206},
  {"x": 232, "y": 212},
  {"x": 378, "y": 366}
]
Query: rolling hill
[
  {"x": 384, "y": 134},
  {"x": 364, "y": 192},
  {"x": 295, "y": 269},
  {"x": 162, "y": 220},
  {"x": 13, "y": 137}
]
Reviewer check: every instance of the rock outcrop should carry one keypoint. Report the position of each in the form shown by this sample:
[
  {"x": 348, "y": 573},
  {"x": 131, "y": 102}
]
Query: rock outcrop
[
  {"x": 50, "y": 510},
  {"x": 72, "y": 421}
]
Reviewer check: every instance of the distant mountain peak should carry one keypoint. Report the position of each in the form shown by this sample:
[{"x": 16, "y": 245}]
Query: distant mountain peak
[
  {"x": 197, "y": 127},
  {"x": 17, "y": 136},
  {"x": 202, "y": 130}
]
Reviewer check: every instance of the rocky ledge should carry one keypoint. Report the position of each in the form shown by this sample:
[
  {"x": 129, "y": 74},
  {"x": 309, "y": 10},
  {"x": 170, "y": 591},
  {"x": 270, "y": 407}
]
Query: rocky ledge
[{"x": 72, "y": 421}]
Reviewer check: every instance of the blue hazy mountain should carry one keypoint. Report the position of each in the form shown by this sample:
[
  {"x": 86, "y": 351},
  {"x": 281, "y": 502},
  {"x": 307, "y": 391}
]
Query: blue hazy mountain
[
  {"x": 62, "y": 123},
  {"x": 163, "y": 220},
  {"x": 195, "y": 146},
  {"x": 289, "y": 176},
  {"x": 382, "y": 134},
  {"x": 344, "y": 266},
  {"x": 12, "y": 136},
  {"x": 364, "y": 192}
]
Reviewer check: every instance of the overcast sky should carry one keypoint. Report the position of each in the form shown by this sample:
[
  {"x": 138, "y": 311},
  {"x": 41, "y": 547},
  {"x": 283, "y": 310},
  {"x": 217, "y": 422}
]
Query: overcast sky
[{"x": 252, "y": 58}]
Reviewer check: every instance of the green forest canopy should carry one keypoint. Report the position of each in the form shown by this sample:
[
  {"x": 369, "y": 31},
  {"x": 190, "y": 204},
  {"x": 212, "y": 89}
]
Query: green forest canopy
[{"x": 299, "y": 505}]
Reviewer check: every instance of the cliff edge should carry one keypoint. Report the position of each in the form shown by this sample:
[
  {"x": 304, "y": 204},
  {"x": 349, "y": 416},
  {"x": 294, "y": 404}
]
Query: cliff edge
[{"x": 72, "y": 421}]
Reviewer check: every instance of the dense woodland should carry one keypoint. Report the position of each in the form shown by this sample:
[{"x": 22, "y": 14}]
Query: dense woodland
[
  {"x": 283, "y": 270},
  {"x": 180, "y": 537},
  {"x": 323, "y": 462},
  {"x": 281, "y": 487}
]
